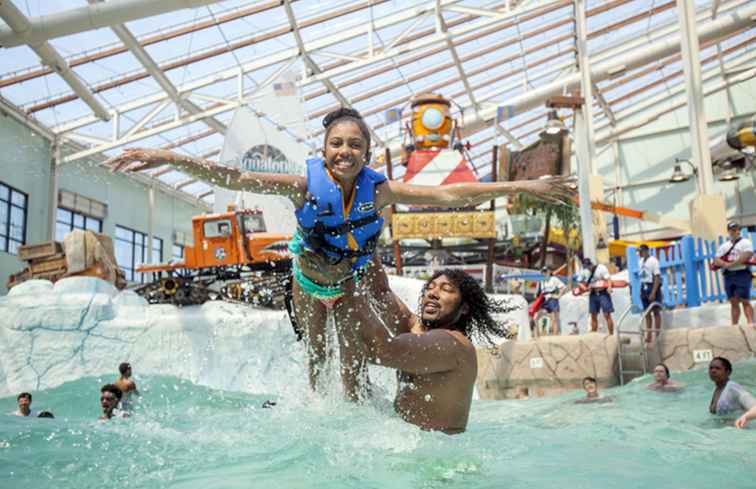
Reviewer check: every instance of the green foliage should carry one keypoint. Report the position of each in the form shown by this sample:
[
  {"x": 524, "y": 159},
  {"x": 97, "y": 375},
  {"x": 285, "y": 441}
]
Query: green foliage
[{"x": 566, "y": 215}]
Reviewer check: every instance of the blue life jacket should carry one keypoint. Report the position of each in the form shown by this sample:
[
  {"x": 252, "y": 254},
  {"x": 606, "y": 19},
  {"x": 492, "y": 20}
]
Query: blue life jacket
[{"x": 322, "y": 223}]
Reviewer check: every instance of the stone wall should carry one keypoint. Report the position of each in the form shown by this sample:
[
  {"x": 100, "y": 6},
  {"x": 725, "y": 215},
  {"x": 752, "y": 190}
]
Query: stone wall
[
  {"x": 556, "y": 364},
  {"x": 683, "y": 349},
  {"x": 548, "y": 366}
]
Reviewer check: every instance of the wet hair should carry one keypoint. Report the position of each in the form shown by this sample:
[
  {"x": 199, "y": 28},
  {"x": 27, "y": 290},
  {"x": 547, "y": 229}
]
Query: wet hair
[
  {"x": 589, "y": 379},
  {"x": 124, "y": 367},
  {"x": 725, "y": 362},
  {"x": 345, "y": 114},
  {"x": 113, "y": 390},
  {"x": 477, "y": 321},
  {"x": 45, "y": 414},
  {"x": 24, "y": 394},
  {"x": 666, "y": 369}
]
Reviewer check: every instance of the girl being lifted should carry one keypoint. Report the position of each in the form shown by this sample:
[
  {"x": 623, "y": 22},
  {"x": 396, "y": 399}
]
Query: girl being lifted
[{"x": 338, "y": 208}]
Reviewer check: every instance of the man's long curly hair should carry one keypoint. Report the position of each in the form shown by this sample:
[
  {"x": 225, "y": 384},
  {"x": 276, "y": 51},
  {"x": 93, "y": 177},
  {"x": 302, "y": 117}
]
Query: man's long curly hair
[{"x": 477, "y": 323}]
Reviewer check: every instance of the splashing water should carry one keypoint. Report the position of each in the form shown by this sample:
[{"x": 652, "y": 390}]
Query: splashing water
[{"x": 182, "y": 435}]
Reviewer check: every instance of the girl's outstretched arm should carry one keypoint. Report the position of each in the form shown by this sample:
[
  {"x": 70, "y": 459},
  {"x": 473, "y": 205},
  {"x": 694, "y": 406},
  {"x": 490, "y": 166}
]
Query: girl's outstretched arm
[
  {"x": 137, "y": 159},
  {"x": 554, "y": 189}
]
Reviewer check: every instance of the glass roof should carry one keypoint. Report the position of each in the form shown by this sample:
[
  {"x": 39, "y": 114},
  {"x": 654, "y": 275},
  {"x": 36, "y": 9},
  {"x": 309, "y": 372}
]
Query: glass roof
[{"x": 373, "y": 54}]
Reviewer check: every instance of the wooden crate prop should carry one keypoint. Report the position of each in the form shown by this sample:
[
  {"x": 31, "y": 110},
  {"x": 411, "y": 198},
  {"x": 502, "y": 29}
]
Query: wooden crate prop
[
  {"x": 56, "y": 262},
  {"x": 39, "y": 250},
  {"x": 17, "y": 278},
  {"x": 436, "y": 225}
]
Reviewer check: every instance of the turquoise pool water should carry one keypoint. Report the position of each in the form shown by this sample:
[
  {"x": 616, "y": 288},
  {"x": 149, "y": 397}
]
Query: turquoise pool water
[{"x": 188, "y": 436}]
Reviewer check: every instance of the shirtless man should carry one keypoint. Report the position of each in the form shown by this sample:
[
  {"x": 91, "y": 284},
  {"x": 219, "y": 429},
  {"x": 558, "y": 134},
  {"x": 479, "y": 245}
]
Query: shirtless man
[
  {"x": 126, "y": 385},
  {"x": 436, "y": 359}
]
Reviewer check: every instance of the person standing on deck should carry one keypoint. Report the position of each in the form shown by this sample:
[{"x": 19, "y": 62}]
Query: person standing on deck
[
  {"x": 731, "y": 257},
  {"x": 600, "y": 299},
  {"x": 650, "y": 278}
]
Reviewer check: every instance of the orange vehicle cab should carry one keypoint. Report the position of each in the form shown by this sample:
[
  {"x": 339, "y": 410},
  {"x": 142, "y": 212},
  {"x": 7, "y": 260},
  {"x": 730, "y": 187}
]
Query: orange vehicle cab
[{"x": 236, "y": 237}]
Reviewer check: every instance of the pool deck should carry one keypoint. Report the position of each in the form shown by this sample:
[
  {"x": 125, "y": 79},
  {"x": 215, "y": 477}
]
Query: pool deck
[{"x": 553, "y": 365}]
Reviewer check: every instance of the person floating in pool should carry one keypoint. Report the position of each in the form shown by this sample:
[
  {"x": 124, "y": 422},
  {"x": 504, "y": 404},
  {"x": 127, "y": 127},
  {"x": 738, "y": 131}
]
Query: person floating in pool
[
  {"x": 590, "y": 386},
  {"x": 338, "y": 208},
  {"x": 110, "y": 395},
  {"x": 663, "y": 384},
  {"x": 127, "y": 386},
  {"x": 24, "y": 401},
  {"x": 436, "y": 359},
  {"x": 728, "y": 397}
]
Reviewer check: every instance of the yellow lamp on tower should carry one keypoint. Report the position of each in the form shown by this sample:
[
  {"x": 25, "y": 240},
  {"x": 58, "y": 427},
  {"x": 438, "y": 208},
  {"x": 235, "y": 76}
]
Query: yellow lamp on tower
[{"x": 432, "y": 124}]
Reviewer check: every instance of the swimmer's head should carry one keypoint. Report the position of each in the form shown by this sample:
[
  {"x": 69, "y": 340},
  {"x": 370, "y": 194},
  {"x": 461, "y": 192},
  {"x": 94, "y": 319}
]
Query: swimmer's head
[
  {"x": 109, "y": 396},
  {"x": 590, "y": 387},
  {"x": 661, "y": 373},
  {"x": 720, "y": 369},
  {"x": 24, "y": 400},
  {"x": 125, "y": 369}
]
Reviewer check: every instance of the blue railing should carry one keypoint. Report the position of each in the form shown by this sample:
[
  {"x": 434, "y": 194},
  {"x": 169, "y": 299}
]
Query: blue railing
[{"x": 686, "y": 278}]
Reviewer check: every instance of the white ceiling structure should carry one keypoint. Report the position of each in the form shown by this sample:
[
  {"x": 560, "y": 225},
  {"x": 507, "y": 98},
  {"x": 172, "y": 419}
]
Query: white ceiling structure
[{"x": 169, "y": 73}]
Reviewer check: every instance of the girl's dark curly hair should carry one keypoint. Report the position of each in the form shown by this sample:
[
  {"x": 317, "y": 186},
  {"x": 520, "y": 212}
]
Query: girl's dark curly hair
[
  {"x": 477, "y": 323},
  {"x": 346, "y": 114}
]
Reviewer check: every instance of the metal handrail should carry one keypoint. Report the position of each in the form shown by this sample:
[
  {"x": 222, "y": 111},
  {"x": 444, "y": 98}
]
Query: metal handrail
[{"x": 641, "y": 331}]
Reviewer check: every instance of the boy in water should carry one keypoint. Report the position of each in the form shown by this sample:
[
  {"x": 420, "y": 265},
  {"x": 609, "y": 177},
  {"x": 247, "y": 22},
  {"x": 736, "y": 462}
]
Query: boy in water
[
  {"x": 110, "y": 395},
  {"x": 126, "y": 385}
]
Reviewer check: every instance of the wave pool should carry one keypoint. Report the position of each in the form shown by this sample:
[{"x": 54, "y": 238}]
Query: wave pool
[{"x": 183, "y": 435}]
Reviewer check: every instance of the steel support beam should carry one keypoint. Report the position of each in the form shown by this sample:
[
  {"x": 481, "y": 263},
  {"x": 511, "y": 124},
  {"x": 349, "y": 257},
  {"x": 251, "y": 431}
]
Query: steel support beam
[
  {"x": 46, "y": 27},
  {"x": 699, "y": 138},
  {"x": 584, "y": 147},
  {"x": 313, "y": 66},
  {"x": 128, "y": 39},
  {"x": 443, "y": 29},
  {"x": 20, "y": 25},
  {"x": 723, "y": 26},
  {"x": 260, "y": 63}
]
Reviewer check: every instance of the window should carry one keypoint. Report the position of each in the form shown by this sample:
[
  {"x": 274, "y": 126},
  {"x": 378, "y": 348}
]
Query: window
[
  {"x": 178, "y": 252},
  {"x": 218, "y": 228},
  {"x": 254, "y": 224},
  {"x": 131, "y": 252},
  {"x": 66, "y": 221},
  {"x": 12, "y": 219}
]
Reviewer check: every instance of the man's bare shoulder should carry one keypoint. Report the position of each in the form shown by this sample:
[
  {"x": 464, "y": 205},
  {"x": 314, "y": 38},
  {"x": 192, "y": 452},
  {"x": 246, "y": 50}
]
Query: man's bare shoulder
[{"x": 467, "y": 347}]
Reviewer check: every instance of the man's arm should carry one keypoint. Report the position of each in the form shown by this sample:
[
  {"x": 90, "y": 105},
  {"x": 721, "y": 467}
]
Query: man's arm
[{"x": 424, "y": 353}]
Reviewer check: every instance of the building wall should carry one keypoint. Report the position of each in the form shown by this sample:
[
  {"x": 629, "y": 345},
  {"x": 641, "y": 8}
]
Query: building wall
[
  {"x": 25, "y": 165},
  {"x": 647, "y": 157}
]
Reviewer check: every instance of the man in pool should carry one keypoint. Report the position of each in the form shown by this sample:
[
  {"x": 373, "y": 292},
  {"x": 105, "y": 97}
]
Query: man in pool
[
  {"x": 436, "y": 360},
  {"x": 126, "y": 385},
  {"x": 590, "y": 386},
  {"x": 110, "y": 395},
  {"x": 24, "y": 401}
]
